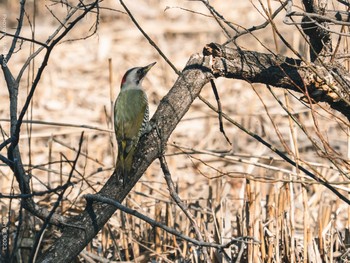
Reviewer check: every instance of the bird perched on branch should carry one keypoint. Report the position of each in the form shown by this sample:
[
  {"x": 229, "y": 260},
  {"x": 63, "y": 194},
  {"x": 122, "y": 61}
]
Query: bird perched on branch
[{"x": 131, "y": 117}]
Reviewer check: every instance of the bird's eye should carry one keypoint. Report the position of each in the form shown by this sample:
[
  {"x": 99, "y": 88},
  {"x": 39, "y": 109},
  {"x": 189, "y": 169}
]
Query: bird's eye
[{"x": 139, "y": 71}]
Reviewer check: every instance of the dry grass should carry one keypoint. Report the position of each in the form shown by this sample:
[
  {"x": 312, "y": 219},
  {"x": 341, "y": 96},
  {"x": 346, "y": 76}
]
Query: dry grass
[{"x": 249, "y": 194}]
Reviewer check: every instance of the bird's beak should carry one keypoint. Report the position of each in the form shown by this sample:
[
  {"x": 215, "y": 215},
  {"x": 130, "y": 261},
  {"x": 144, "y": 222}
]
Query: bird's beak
[{"x": 147, "y": 68}]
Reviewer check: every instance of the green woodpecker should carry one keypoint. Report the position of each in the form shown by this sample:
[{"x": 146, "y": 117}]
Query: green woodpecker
[{"x": 131, "y": 117}]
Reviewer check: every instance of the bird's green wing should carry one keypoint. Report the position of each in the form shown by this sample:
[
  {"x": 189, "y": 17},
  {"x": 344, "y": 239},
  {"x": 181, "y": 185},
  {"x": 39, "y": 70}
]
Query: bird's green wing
[{"x": 130, "y": 110}]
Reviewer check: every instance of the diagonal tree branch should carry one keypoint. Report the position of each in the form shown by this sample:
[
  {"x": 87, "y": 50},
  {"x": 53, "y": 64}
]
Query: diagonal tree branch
[
  {"x": 169, "y": 113},
  {"x": 215, "y": 62}
]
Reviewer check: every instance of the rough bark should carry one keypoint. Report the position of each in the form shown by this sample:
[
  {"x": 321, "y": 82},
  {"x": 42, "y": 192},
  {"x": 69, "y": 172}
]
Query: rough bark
[
  {"x": 327, "y": 83},
  {"x": 216, "y": 61}
]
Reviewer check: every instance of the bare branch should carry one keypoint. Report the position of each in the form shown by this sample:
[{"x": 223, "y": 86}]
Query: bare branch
[
  {"x": 56, "y": 205},
  {"x": 103, "y": 199},
  {"x": 23, "y": 38},
  {"x": 221, "y": 124},
  {"x": 149, "y": 39},
  {"x": 282, "y": 72},
  {"x": 14, "y": 155},
  {"x": 18, "y": 31},
  {"x": 258, "y": 27}
]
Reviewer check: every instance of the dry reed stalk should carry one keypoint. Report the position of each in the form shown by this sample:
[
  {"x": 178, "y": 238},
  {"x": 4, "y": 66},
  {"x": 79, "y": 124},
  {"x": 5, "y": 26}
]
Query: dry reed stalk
[
  {"x": 270, "y": 223},
  {"x": 317, "y": 252},
  {"x": 257, "y": 218},
  {"x": 253, "y": 222},
  {"x": 49, "y": 183},
  {"x": 186, "y": 226},
  {"x": 325, "y": 219},
  {"x": 285, "y": 222},
  {"x": 311, "y": 253},
  {"x": 262, "y": 240},
  {"x": 319, "y": 233},
  {"x": 136, "y": 223},
  {"x": 216, "y": 214},
  {"x": 61, "y": 181},
  {"x": 172, "y": 239},
  {"x": 158, "y": 233},
  {"x": 227, "y": 223},
  {"x": 247, "y": 218},
  {"x": 294, "y": 148},
  {"x": 310, "y": 249},
  {"x": 132, "y": 244},
  {"x": 216, "y": 225},
  {"x": 240, "y": 224},
  {"x": 332, "y": 240},
  {"x": 253, "y": 190},
  {"x": 105, "y": 240},
  {"x": 279, "y": 221},
  {"x": 124, "y": 237},
  {"x": 306, "y": 219},
  {"x": 169, "y": 222}
]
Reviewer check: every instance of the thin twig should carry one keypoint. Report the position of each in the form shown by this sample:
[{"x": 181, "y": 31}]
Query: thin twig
[
  {"x": 38, "y": 193},
  {"x": 149, "y": 39},
  {"x": 62, "y": 124},
  {"x": 218, "y": 17},
  {"x": 38, "y": 238},
  {"x": 179, "y": 202},
  {"x": 14, "y": 155},
  {"x": 313, "y": 141},
  {"x": 18, "y": 30},
  {"x": 48, "y": 41},
  {"x": 43, "y": 66},
  {"x": 23, "y": 38},
  {"x": 73, "y": 149},
  {"x": 284, "y": 156},
  {"x": 320, "y": 18},
  {"x": 254, "y": 28},
  {"x": 221, "y": 124}
]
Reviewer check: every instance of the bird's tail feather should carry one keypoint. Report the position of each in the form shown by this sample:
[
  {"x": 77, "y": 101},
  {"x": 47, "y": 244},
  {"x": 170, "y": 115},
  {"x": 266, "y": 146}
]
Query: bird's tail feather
[{"x": 124, "y": 161}]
